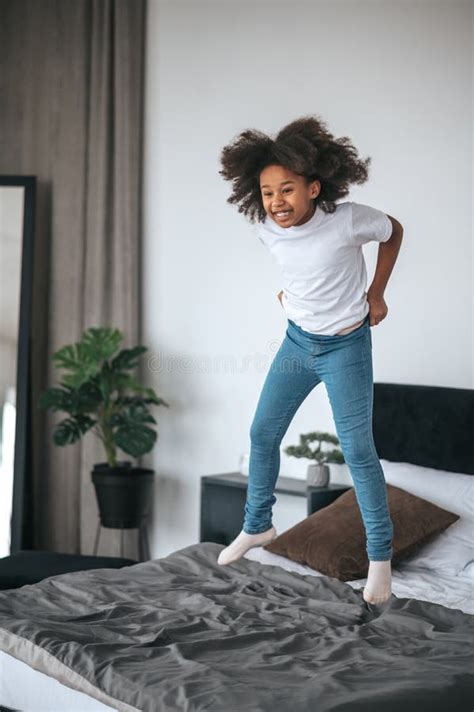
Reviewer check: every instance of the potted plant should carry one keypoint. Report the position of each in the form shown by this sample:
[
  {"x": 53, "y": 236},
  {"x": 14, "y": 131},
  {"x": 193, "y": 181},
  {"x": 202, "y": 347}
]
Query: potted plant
[
  {"x": 317, "y": 473},
  {"x": 100, "y": 394}
]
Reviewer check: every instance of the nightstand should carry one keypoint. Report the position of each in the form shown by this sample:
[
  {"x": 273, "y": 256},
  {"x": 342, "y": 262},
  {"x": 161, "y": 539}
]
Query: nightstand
[{"x": 223, "y": 500}]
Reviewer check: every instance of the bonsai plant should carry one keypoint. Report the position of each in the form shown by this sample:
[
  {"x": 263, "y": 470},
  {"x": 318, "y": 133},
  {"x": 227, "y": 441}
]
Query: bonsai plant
[
  {"x": 99, "y": 394},
  {"x": 317, "y": 473}
]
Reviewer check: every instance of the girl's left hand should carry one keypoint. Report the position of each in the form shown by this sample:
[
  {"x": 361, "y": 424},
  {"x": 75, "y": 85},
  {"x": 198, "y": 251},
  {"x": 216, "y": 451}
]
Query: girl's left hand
[{"x": 378, "y": 310}]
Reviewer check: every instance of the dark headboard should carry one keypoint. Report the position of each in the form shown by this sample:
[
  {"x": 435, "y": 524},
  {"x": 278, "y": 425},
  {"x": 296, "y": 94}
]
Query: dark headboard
[{"x": 430, "y": 426}]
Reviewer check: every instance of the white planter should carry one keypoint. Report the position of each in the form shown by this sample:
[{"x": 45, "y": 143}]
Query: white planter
[{"x": 317, "y": 475}]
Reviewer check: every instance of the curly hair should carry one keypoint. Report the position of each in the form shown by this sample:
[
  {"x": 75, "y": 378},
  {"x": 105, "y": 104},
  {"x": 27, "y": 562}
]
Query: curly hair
[{"x": 306, "y": 147}]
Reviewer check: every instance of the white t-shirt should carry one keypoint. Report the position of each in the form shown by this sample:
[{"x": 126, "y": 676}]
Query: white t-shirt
[{"x": 322, "y": 264}]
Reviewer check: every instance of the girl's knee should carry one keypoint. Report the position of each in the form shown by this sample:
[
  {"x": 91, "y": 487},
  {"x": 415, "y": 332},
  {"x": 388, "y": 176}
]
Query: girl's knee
[
  {"x": 359, "y": 452},
  {"x": 262, "y": 434}
]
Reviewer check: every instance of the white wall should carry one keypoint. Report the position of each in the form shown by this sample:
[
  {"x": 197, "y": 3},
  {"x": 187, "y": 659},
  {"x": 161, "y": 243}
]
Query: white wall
[{"x": 396, "y": 78}]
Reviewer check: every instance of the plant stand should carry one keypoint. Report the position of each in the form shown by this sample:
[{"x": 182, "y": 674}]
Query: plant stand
[{"x": 143, "y": 548}]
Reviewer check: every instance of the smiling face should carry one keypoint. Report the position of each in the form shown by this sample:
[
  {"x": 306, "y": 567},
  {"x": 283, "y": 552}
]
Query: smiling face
[{"x": 286, "y": 196}]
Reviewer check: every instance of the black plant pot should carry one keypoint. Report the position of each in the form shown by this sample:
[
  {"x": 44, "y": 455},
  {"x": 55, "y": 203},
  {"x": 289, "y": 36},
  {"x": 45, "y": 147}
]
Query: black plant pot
[{"x": 123, "y": 494}]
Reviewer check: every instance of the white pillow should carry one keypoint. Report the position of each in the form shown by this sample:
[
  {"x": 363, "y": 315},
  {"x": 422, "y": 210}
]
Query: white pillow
[{"x": 452, "y": 551}]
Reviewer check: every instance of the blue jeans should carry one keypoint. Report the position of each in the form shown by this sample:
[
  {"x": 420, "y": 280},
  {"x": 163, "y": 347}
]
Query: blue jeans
[{"x": 344, "y": 364}]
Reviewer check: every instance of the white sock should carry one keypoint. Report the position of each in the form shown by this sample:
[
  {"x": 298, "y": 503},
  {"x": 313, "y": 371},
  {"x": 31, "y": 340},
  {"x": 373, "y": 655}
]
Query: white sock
[
  {"x": 378, "y": 588},
  {"x": 243, "y": 542}
]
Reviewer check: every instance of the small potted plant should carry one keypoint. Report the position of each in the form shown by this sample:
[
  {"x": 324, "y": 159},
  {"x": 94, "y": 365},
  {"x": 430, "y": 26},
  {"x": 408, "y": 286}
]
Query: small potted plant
[
  {"x": 100, "y": 394},
  {"x": 317, "y": 473}
]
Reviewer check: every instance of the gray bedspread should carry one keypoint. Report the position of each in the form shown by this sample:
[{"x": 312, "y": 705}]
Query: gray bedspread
[{"x": 183, "y": 633}]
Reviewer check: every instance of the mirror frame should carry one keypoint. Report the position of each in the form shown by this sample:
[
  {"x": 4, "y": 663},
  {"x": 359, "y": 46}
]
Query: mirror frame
[{"x": 22, "y": 505}]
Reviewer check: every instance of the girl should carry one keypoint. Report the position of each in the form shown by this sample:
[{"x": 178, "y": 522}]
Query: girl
[{"x": 291, "y": 184}]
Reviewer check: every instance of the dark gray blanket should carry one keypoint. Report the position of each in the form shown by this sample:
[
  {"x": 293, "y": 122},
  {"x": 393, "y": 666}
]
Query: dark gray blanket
[{"x": 183, "y": 633}]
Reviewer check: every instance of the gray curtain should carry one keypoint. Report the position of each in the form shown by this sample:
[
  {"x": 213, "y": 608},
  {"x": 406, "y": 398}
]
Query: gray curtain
[{"x": 71, "y": 113}]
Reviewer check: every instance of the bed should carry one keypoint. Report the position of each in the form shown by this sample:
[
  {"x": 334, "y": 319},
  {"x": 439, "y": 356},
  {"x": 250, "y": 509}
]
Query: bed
[{"x": 266, "y": 633}]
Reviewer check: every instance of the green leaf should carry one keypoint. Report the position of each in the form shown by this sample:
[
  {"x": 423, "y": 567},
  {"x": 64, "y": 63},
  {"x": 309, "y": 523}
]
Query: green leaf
[
  {"x": 54, "y": 399},
  {"x": 70, "y": 430},
  {"x": 132, "y": 414},
  {"x": 85, "y": 399},
  {"x": 132, "y": 435},
  {"x": 101, "y": 343},
  {"x": 135, "y": 440},
  {"x": 127, "y": 381},
  {"x": 75, "y": 359},
  {"x": 106, "y": 381},
  {"x": 127, "y": 358},
  {"x": 84, "y": 359},
  {"x": 153, "y": 398}
]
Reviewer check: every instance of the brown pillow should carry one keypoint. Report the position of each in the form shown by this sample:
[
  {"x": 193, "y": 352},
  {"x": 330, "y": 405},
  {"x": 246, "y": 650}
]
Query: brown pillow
[{"x": 332, "y": 540}]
